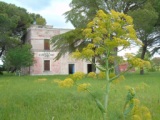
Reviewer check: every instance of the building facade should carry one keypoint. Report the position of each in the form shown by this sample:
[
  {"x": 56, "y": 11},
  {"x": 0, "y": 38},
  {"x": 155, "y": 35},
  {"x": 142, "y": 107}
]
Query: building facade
[{"x": 39, "y": 37}]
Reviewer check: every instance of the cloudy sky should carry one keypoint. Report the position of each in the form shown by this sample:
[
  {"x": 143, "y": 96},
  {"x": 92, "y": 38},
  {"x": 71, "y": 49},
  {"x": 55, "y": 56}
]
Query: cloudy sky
[{"x": 51, "y": 10}]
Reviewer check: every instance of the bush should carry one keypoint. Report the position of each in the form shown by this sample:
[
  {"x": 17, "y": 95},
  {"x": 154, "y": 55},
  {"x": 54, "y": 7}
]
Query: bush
[
  {"x": 92, "y": 75},
  {"x": 102, "y": 75}
]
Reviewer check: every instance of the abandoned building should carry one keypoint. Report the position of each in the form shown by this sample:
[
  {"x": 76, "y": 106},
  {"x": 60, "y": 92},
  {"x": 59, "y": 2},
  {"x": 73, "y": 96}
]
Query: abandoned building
[{"x": 39, "y": 37}]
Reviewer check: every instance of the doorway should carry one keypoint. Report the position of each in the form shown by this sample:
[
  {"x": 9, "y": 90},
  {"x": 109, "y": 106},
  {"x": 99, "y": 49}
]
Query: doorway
[
  {"x": 89, "y": 68},
  {"x": 71, "y": 68}
]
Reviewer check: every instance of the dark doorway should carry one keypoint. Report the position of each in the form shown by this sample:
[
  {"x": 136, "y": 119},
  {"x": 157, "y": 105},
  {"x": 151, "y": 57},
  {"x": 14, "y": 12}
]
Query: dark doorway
[
  {"x": 71, "y": 68},
  {"x": 89, "y": 68}
]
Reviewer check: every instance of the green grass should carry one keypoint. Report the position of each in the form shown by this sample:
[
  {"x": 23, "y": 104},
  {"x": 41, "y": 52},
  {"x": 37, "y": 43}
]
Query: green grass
[{"x": 26, "y": 98}]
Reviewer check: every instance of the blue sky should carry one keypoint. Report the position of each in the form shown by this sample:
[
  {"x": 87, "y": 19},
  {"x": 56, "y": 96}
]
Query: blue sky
[{"x": 51, "y": 10}]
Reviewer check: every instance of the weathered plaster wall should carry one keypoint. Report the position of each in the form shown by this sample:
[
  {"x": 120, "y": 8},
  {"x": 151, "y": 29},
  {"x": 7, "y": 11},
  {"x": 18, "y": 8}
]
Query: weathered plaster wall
[{"x": 36, "y": 36}]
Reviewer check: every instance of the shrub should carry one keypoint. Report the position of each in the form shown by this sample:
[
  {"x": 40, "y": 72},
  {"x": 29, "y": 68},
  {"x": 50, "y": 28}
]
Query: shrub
[
  {"x": 92, "y": 75},
  {"x": 102, "y": 75}
]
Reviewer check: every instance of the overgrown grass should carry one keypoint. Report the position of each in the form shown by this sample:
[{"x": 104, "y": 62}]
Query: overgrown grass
[{"x": 39, "y": 98}]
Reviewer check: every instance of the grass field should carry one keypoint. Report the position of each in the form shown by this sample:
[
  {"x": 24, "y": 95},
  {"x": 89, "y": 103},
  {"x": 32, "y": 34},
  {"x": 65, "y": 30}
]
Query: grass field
[{"x": 39, "y": 98}]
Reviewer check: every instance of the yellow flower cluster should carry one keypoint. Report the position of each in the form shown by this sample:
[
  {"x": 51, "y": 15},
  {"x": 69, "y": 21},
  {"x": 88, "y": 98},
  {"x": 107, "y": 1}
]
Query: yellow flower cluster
[
  {"x": 99, "y": 51},
  {"x": 40, "y": 80},
  {"x": 97, "y": 40},
  {"x": 87, "y": 53},
  {"x": 137, "y": 62},
  {"x": 119, "y": 79},
  {"x": 121, "y": 17},
  {"x": 140, "y": 112},
  {"x": 101, "y": 75},
  {"x": 121, "y": 42},
  {"x": 83, "y": 87},
  {"x": 68, "y": 82},
  {"x": 78, "y": 76},
  {"x": 132, "y": 33},
  {"x": 90, "y": 46},
  {"x": 76, "y": 54},
  {"x": 92, "y": 75}
]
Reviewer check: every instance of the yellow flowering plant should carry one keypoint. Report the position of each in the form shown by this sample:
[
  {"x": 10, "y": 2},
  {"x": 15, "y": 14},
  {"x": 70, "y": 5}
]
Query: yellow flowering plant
[
  {"x": 92, "y": 75},
  {"x": 107, "y": 32}
]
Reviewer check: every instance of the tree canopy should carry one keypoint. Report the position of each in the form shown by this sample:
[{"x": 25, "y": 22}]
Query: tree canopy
[
  {"x": 83, "y": 11},
  {"x": 14, "y": 22}
]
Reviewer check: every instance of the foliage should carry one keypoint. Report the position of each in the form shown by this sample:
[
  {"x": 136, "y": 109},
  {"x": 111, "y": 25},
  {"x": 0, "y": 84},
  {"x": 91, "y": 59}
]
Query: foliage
[
  {"x": 67, "y": 43},
  {"x": 155, "y": 63},
  {"x": 18, "y": 57},
  {"x": 83, "y": 11},
  {"x": 37, "y": 19}
]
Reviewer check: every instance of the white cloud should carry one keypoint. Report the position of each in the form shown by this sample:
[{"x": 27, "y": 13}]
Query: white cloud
[{"x": 54, "y": 14}]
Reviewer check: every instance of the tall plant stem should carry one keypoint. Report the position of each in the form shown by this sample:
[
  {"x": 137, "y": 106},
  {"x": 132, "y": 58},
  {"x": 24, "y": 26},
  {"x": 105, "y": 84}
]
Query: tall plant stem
[{"x": 106, "y": 95}]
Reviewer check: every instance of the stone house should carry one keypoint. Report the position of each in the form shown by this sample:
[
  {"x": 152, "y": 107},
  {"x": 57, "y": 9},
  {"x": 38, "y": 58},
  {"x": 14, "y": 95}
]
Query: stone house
[{"x": 39, "y": 37}]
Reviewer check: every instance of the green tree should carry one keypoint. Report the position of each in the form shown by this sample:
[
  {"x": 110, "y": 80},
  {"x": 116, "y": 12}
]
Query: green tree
[
  {"x": 13, "y": 25},
  {"x": 38, "y": 19},
  {"x": 14, "y": 22},
  {"x": 83, "y": 11},
  {"x": 107, "y": 32},
  {"x": 18, "y": 57},
  {"x": 148, "y": 31}
]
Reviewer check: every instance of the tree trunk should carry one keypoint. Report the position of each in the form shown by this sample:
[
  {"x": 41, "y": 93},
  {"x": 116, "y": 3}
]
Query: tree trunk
[
  {"x": 144, "y": 49},
  {"x": 13, "y": 69},
  {"x": 1, "y": 53},
  {"x": 116, "y": 66},
  {"x": 93, "y": 65}
]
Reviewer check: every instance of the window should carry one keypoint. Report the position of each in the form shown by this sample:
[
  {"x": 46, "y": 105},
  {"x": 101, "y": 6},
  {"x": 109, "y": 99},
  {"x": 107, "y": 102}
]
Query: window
[
  {"x": 46, "y": 44},
  {"x": 46, "y": 65}
]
